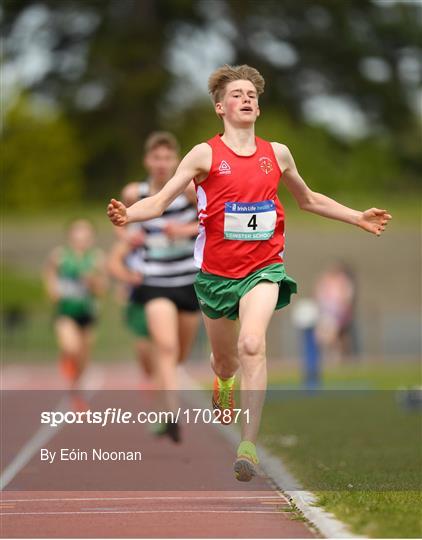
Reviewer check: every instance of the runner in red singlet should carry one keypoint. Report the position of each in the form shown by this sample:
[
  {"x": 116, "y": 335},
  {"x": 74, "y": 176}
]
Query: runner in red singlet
[
  {"x": 241, "y": 240},
  {"x": 233, "y": 179}
]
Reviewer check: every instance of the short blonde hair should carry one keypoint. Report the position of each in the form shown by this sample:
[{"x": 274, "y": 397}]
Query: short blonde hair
[
  {"x": 161, "y": 138},
  {"x": 226, "y": 74}
]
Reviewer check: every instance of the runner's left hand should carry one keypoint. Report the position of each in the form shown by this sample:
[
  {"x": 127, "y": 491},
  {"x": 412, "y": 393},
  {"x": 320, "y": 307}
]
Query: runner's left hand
[{"x": 374, "y": 220}]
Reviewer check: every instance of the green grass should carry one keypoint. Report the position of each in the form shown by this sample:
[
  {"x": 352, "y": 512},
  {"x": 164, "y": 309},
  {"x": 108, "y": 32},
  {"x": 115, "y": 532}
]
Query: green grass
[
  {"x": 358, "y": 451},
  {"x": 19, "y": 288},
  {"x": 390, "y": 514},
  {"x": 380, "y": 375}
]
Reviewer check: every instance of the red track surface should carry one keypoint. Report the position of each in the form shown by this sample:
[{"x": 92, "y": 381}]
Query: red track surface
[{"x": 188, "y": 490}]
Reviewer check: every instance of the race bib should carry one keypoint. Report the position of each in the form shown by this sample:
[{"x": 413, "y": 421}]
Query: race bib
[
  {"x": 71, "y": 288},
  {"x": 249, "y": 221}
]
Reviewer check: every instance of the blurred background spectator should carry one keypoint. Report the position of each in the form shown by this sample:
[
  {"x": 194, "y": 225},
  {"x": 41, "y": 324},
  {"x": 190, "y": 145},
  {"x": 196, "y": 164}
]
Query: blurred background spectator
[{"x": 335, "y": 294}]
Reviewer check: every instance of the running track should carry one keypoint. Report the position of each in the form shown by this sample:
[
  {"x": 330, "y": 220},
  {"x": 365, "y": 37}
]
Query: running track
[{"x": 226, "y": 508}]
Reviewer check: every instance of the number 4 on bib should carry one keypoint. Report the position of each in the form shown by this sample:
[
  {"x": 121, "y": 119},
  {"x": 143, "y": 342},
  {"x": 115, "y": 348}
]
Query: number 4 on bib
[
  {"x": 249, "y": 221},
  {"x": 252, "y": 222}
]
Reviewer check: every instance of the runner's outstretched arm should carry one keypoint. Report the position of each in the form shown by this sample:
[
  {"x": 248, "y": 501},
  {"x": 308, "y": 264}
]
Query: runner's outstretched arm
[
  {"x": 372, "y": 220},
  {"x": 192, "y": 165}
]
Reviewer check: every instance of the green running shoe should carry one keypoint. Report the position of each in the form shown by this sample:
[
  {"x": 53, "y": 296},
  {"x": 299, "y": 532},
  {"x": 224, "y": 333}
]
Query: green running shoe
[
  {"x": 245, "y": 464},
  {"x": 223, "y": 400}
]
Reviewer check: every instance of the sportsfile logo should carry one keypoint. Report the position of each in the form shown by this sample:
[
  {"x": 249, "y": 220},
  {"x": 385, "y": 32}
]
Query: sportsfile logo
[{"x": 224, "y": 167}]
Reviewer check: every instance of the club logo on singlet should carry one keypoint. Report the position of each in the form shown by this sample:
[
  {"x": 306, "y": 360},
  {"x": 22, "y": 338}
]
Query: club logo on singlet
[
  {"x": 224, "y": 167},
  {"x": 266, "y": 164}
]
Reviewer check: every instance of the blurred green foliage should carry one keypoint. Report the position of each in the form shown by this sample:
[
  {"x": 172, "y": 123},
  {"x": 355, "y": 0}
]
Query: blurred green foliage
[
  {"x": 21, "y": 290},
  {"x": 41, "y": 159},
  {"x": 365, "y": 53},
  {"x": 335, "y": 167}
]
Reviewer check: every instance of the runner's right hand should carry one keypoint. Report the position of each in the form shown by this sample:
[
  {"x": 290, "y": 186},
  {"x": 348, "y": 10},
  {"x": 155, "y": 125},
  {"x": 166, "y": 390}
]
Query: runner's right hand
[
  {"x": 134, "y": 278},
  {"x": 136, "y": 238},
  {"x": 116, "y": 211}
]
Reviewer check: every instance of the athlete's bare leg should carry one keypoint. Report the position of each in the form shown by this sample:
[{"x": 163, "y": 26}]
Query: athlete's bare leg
[
  {"x": 255, "y": 311},
  {"x": 223, "y": 335},
  {"x": 163, "y": 328},
  {"x": 188, "y": 328},
  {"x": 87, "y": 338},
  {"x": 70, "y": 344},
  {"x": 145, "y": 355}
]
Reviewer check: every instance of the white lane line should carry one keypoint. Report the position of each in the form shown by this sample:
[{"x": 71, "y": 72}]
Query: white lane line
[
  {"x": 27, "y": 452},
  {"x": 158, "y": 498},
  {"x": 78, "y": 512},
  {"x": 41, "y": 437},
  {"x": 203, "y": 508}
]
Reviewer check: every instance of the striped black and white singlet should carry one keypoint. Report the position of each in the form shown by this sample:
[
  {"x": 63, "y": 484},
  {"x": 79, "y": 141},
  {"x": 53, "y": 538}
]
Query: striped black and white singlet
[{"x": 165, "y": 262}]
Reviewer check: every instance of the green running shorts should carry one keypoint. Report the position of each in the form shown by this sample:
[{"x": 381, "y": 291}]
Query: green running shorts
[
  {"x": 136, "y": 319},
  {"x": 219, "y": 296}
]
